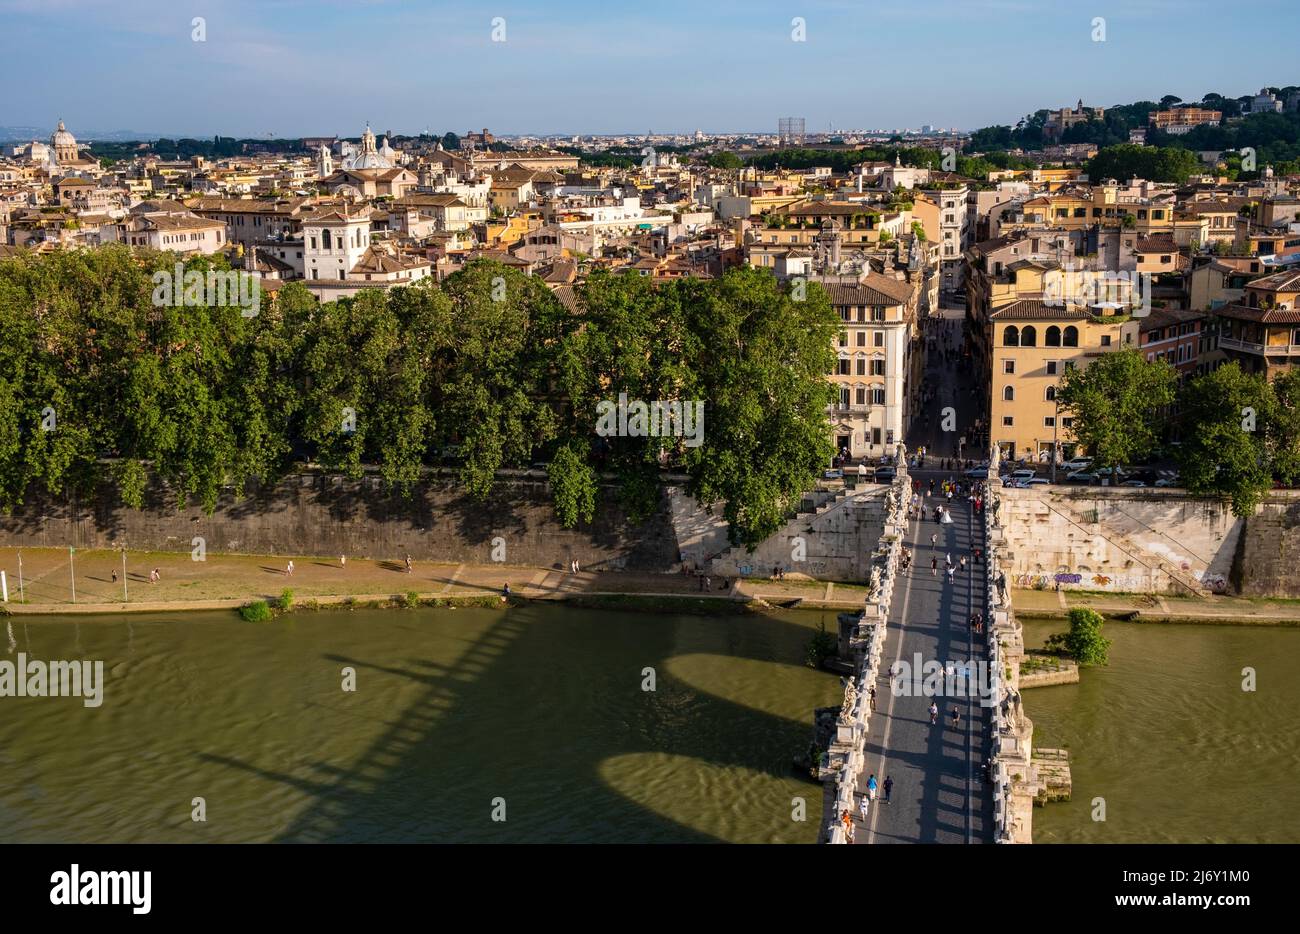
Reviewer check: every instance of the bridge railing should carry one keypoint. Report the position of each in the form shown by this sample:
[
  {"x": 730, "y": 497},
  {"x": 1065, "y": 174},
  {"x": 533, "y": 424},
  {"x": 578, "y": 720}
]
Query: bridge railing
[
  {"x": 848, "y": 747},
  {"x": 999, "y": 619}
]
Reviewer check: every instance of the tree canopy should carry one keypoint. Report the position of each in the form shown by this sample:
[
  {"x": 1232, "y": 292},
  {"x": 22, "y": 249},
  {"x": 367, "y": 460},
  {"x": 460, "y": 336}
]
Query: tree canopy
[
  {"x": 1115, "y": 403},
  {"x": 1229, "y": 419},
  {"x": 98, "y": 381}
]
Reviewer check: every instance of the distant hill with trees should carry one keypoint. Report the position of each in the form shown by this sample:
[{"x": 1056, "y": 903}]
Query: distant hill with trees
[{"x": 1275, "y": 137}]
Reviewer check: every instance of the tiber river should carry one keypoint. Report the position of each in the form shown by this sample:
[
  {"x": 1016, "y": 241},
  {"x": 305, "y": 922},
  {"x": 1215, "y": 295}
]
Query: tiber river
[{"x": 538, "y": 714}]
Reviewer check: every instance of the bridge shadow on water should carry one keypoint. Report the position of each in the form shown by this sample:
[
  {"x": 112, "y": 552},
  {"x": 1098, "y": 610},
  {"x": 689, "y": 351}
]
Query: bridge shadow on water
[{"x": 578, "y": 751}]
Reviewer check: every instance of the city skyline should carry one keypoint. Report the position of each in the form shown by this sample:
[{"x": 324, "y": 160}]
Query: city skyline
[{"x": 410, "y": 67}]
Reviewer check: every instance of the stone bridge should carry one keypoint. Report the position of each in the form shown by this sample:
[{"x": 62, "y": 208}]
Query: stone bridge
[{"x": 972, "y": 780}]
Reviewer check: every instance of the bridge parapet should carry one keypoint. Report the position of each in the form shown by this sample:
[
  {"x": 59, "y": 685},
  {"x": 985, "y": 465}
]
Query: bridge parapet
[
  {"x": 1010, "y": 746},
  {"x": 866, "y": 631}
]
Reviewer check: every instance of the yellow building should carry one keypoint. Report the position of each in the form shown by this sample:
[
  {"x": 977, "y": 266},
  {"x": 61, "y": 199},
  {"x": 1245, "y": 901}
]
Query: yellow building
[
  {"x": 1262, "y": 331},
  {"x": 1033, "y": 321},
  {"x": 1075, "y": 208}
]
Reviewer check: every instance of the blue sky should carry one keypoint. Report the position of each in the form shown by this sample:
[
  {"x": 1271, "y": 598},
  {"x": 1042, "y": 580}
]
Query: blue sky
[{"x": 307, "y": 67}]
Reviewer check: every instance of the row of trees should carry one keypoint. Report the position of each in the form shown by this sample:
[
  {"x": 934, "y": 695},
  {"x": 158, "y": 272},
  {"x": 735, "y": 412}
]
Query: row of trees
[
  {"x": 1127, "y": 161},
  {"x": 97, "y": 380},
  {"x": 846, "y": 160},
  {"x": 1239, "y": 433}
]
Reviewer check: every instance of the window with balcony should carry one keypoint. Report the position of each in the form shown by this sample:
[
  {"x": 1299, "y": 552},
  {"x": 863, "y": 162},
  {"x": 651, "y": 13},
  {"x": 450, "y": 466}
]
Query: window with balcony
[{"x": 877, "y": 367}]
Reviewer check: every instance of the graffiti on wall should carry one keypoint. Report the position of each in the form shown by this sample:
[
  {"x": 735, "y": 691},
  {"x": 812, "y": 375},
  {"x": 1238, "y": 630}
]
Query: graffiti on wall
[{"x": 1119, "y": 583}]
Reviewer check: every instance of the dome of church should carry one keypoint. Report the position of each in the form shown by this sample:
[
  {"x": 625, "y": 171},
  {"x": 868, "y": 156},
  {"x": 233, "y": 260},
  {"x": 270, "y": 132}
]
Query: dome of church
[
  {"x": 369, "y": 157},
  {"x": 37, "y": 152},
  {"x": 64, "y": 145},
  {"x": 62, "y": 137},
  {"x": 369, "y": 160}
]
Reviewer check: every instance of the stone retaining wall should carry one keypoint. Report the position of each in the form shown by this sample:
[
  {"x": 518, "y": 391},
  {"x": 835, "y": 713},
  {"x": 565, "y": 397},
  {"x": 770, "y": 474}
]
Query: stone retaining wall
[
  {"x": 1150, "y": 541},
  {"x": 320, "y": 513}
]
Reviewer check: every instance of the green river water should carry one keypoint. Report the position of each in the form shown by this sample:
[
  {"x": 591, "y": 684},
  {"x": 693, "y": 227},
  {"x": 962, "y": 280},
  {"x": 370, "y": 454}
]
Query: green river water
[
  {"x": 1168, "y": 738},
  {"x": 540, "y": 706},
  {"x": 540, "y": 709}
]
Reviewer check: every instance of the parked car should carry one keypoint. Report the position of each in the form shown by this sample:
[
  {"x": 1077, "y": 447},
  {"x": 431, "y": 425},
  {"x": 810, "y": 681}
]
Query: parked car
[
  {"x": 1134, "y": 483},
  {"x": 885, "y": 474},
  {"x": 1081, "y": 476},
  {"x": 977, "y": 473},
  {"x": 1165, "y": 482},
  {"x": 1034, "y": 481},
  {"x": 1113, "y": 474},
  {"x": 833, "y": 473},
  {"x": 1078, "y": 463},
  {"x": 1023, "y": 473}
]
